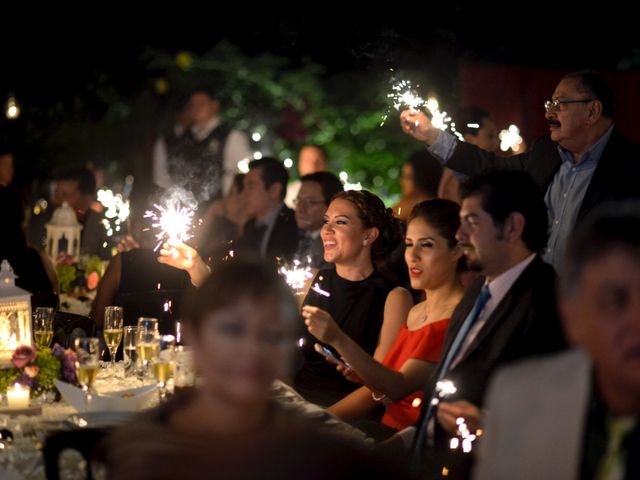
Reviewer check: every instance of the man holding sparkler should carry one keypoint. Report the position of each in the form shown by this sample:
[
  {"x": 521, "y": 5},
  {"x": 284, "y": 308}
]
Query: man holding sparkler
[
  {"x": 508, "y": 314},
  {"x": 575, "y": 415},
  {"x": 583, "y": 161}
]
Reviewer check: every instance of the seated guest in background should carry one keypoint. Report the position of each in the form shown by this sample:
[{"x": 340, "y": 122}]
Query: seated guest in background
[
  {"x": 315, "y": 194},
  {"x": 77, "y": 187},
  {"x": 358, "y": 233},
  {"x": 311, "y": 159},
  {"x": 222, "y": 224},
  {"x": 137, "y": 269},
  {"x": 576, "y": 413},
  {"x": 271, "y": 230},
  {"x": 418, "y": 181},
  {"x": 432, "y": 255},
  {"x": 26, "y": 262},
  {"x": 242, "y": 326}
]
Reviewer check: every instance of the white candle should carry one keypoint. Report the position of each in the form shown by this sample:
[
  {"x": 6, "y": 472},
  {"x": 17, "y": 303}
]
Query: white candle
[{"x": 18, "y": 396}]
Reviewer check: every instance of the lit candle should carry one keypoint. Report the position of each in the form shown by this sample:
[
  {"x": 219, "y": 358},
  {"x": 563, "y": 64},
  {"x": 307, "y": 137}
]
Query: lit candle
[{"x": 18, "y": 396}]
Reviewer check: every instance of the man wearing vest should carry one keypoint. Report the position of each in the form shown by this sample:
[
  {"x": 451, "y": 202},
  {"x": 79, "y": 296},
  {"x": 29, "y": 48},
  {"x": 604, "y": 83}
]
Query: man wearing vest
[{"x": 205, "y": 158}]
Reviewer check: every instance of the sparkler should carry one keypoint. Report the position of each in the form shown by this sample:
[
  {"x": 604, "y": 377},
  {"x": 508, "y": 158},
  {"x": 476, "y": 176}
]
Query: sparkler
[
  {"x": 403, "y": 96},
  {"x": 316, "y": 288},
  {"x": 510, "y": 139},
  {"x": 116, "y": 210},
  {"x": 296, "y": 275},
  {"x": 173, "y": 221}
]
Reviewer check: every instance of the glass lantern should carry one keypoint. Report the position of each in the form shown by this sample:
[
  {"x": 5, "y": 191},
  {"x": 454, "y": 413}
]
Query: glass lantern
[
  {"x": 15, "y": 314},
  {"x": 63, "y": 233}
]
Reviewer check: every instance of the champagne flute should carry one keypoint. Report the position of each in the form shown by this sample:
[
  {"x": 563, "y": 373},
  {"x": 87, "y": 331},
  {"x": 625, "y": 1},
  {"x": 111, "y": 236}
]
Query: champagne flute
[
  {"x": 129, "y": 352},
  {"x": 43, "y": 326},
  {"x": 87, "y": 355},
  {"x": 113, "y": 332},
  {"x": 163, "y": 363},
  {"x": 147, "y": 345}
]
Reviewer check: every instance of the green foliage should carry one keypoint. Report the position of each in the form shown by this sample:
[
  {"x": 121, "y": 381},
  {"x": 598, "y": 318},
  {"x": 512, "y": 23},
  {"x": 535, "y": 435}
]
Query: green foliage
[
  {"x": 49, "y": 369},
  {"x": 66, "y": 276},
  {"x": 289, "y": 105}
]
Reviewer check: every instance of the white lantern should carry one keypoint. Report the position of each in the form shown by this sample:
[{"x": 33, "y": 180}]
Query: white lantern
[
  {"x": 15, "y": 314},
  {"x": 63, "y": 233}
]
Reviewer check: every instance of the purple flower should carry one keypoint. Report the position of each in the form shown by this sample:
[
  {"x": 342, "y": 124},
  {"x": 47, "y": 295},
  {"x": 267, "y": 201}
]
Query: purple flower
[
  {"x": 23, "y": 355},
  {"x": 57, "y": 351}
]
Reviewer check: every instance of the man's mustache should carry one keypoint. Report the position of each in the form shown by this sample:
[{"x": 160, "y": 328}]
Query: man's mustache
[{"x": 553, "y": 123}]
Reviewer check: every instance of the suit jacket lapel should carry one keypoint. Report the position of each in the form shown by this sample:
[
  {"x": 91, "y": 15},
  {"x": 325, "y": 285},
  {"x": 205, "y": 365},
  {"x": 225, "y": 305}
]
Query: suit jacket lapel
[{"x": 499, "y": 316}]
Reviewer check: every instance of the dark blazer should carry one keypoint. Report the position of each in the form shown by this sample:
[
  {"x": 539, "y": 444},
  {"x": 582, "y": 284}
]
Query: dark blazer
[
  {"x": 615, "y": 177},
  {"x": 283, "y": 241},
  {"x": 524, "y": 323}
]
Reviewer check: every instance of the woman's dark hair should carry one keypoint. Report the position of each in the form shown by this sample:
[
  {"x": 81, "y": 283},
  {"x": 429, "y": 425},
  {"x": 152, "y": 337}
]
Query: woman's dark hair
[
  {"x": 372, "y": 213},
  {"x": 427, "y": 171},
  {"x": 441, "y": 214},
  {"x": 234, "y": 280}
]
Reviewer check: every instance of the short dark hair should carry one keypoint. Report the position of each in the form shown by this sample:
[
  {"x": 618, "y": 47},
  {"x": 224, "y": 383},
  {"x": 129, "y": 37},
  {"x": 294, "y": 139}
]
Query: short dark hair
[
  {"x": 596, "y": 86},
  {"x": 504, "y": 192},
  {"x": 272, "y": 172},
  {"x": 234, "y": 280},
  {"x": 85, "y": 178},
  {"x": 208, "y": 90},
  {"x": 466, "y": 116},
  {"x": 610, "y": 226},
  {"x": 329, "y": 183},
  {"x": 427, "y": 171}
]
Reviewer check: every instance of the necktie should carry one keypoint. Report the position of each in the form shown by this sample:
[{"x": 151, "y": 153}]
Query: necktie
[
  {"x": 254, "y": 234},
  {"x": 613, "y": 462},
  {"x": 481, "y": 301}
]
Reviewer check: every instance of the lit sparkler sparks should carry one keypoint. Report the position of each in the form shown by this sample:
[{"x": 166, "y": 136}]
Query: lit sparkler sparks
[
  {"x": 404, "y": 96},
  {"x": 510, "y": 139},
  {"x": 116, "y": 210},
  {"x": 296, "y": 275},
  {"x": 316, "y": 288},
  {"x": 173, "y": 221}
]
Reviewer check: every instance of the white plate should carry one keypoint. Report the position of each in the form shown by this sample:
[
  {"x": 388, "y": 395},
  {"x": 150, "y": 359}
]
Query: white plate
[{"x": 100, "y": 419}]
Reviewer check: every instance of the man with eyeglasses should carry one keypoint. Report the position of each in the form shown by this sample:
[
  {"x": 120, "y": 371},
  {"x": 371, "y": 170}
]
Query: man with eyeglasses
[
  {"x": 583, "y": 161},
  {"x": 316, "y": 191}
]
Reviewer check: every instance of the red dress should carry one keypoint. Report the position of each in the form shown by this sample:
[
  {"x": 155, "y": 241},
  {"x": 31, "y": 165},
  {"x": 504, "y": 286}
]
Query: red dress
[{"x": 424, "y": 344}]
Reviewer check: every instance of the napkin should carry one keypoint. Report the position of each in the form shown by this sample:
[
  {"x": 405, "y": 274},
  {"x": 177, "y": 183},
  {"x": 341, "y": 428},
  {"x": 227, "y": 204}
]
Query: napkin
[{"x": 129, "y": 400}]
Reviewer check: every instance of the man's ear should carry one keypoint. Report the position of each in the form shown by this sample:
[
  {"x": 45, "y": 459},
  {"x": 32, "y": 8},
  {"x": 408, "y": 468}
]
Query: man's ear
[
  {"x": 275, "y": 190},
  {"x": 594, "y": 112},
  {"x": 514, "y": 226}
]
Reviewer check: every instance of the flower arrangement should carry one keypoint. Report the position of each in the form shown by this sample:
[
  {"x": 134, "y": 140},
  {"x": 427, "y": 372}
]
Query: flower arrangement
[
  {"x": 83, "y": 274},
  {"x": 37, "y": 369}
]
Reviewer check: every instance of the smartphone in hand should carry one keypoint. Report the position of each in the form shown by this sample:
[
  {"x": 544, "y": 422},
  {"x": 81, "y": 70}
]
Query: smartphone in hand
[{"x": 330, "y": 353}]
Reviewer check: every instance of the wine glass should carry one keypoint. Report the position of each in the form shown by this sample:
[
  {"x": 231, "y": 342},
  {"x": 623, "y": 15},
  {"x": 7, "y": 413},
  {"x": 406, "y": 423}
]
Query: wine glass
[
  {"x": 43, "y": 326},
  {"x": 87, "y": 355},
  {"x": 163, "y": 363},
  {"x": 147, "y": 345},
  {"x": 129, "y": 352},
  {"x": 113, "y": 332}
]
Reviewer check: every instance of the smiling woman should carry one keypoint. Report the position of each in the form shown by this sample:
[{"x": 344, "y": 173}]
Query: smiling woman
[{"x": 357, "y": 233}]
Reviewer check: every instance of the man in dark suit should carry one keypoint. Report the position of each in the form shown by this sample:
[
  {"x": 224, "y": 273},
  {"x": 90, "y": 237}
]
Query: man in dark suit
[
  {"x": 271, "y": 230},
  {"x": 507, "y": 314},
  {"x": 583, "y": 161},
  {"x": 577, "y": 413}
]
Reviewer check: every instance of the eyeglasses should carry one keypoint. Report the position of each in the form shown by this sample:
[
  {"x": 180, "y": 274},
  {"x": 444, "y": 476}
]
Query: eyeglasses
[
  {"x": 556, "y": 105},
  {"x": 306, "y": 202}
]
